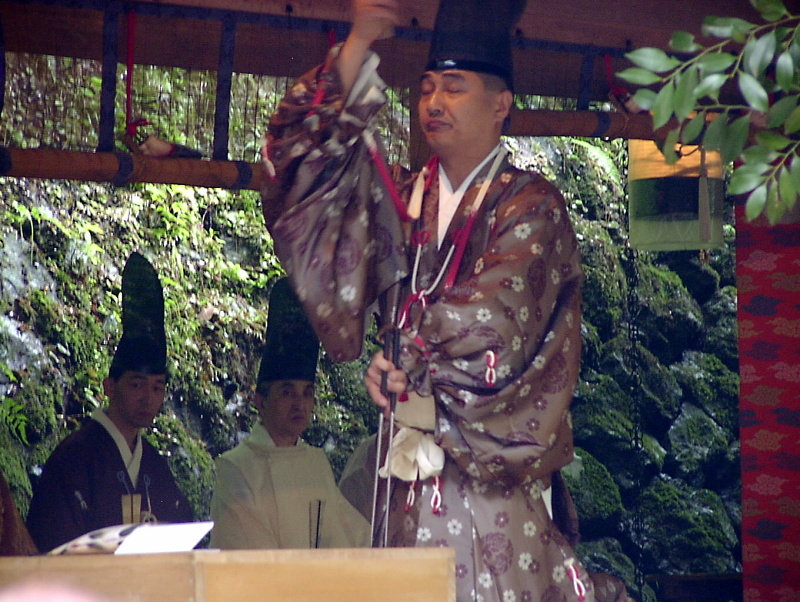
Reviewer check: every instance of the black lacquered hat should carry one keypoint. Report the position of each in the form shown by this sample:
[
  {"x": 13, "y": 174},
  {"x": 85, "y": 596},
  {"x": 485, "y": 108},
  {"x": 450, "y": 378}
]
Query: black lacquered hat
[
  {"x": 143, "y": 346},
  {"x": 475, "y": 35},
  {"x": 291, "y": 349}
]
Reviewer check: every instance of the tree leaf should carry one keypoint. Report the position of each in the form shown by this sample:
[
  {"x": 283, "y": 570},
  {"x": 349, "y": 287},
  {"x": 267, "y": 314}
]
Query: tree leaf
[
  {"x": 683, "y": 101},
  {"x": 755, "y": 203},
  {"x": 772, "y": 140},
  {"x": 753, "y": 92},
  {"x": 724, "y": 27},
  {"x": 710, "y": 85},
  {"x": 759, "y": 52},
  {"x": 792, "y": 123},
  {"x": 663, "y": 107},
  {"x": 794, "y": 168},
  {"x": 715, "y": 62},
  {"x": 639, "y": 76},
  {"x": 735, "y": 138},
  {"x": 784, "y": 71},
  {"x": 771, "y": 10},
  {"x": 741, "y": 30},
  {"x": 693, "y": 128},
  {"x": 778, "y": 112},
  {"x": 756, "y": 153},
  {"x": 653, "y": 59},
  {"x": 668, "y": 148},
  {"x": 644, "y": 99},
  {"x": 786, "y": 187},
  {"x": 716, "y": 133},
  {"x": 746, "y": 177},
  {"x": 683, "y": 41},
  {"x": 790, "y": 202},
  {"x": 775, "y": 207}
]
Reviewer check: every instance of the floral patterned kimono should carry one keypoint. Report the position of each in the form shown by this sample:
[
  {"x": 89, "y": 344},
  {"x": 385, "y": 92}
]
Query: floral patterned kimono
[{"x": 491, "y": 334}]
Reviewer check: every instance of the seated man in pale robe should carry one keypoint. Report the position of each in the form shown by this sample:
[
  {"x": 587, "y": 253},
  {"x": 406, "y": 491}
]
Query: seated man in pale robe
[{"x": 273, "y": 490}]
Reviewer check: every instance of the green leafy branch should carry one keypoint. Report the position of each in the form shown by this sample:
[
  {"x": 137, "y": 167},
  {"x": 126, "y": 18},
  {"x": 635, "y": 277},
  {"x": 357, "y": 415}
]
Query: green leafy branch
[{"x": 763, "y": 61}]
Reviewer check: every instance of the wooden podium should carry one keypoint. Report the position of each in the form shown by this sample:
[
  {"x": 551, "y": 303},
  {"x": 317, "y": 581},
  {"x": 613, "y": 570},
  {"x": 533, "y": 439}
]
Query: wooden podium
[{"x": 390, "y": 574}]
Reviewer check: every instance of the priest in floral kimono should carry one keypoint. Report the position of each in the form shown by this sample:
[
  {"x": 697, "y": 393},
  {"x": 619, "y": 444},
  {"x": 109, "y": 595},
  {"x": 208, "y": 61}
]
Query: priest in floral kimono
[
  {"x": 473, "y": 265},
  {"x": 274, "y": 490}
]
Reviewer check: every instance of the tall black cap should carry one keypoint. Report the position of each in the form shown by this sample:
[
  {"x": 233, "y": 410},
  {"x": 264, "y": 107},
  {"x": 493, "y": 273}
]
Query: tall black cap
[
  {"x": 143, "y": 346},
  {"x": 291, "y": 349},
  {"x": 475, "y": 35}
]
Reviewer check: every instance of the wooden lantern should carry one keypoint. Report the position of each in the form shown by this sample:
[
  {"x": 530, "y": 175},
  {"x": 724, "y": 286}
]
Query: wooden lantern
[{"x": 674, "y": 207}]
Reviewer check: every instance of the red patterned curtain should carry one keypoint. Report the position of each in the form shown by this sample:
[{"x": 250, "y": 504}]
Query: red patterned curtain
[{"x": 768, "y": 273}]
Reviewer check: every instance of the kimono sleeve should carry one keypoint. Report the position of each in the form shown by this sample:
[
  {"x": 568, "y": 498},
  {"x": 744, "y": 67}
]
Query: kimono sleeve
[
  {"x": 335, "y": 227},
  {"x": 59, "y": 510}
]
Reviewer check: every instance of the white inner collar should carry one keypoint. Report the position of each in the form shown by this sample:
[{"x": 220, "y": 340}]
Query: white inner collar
[
  {"x": 131, "y": 459},
  {"x": 449, "y": 200}
]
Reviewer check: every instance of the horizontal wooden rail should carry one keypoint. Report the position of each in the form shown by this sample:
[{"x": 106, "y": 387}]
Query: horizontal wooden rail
[{"x": 124, "y": 168}]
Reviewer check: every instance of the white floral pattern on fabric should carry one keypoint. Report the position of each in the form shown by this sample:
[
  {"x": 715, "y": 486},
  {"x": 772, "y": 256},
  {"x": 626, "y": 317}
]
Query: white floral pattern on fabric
[
  {"x": 484, "y": 315},
  {"x": 530, "y": 529},
  {"x": 423, "y": 534},
  {"x": 522, "y": 231}
]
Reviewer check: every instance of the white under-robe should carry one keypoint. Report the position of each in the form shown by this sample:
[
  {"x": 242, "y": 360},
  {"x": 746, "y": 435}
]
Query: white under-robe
[{"x": 267, "y": 497}]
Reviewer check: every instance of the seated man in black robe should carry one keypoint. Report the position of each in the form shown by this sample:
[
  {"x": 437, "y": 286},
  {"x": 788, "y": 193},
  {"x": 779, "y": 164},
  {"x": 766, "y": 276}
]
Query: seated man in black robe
[{"x": 105, "y": 473}]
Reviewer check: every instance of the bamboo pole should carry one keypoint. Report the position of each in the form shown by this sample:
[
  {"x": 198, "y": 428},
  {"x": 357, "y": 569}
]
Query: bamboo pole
[
  {"x": 586, "y": 124},
  {"x": 123, "y": 168}
]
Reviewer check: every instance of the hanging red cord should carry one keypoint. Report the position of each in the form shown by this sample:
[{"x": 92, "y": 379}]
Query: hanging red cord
[{"x": 130, "y": 126}]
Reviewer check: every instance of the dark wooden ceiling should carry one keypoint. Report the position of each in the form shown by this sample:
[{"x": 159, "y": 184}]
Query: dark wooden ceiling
[{"x": 562, "y": 42}]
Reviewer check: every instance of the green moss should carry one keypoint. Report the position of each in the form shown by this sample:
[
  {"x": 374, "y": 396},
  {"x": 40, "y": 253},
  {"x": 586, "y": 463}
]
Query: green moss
[
  {"x": 668, "y": 318},
  {"x": 685, "y": 530},
  {"x": 596, "y": 495},
  {"x": 190, "y": 462},
  {"x": 604, "y": 281},
  {"x": 607, "y": 556},
  {"x": 710, "y": 385}
]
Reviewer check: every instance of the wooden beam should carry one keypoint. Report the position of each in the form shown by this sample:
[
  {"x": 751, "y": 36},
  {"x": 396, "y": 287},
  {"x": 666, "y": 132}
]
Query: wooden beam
[
  {"x": 586, "y": 124},
  {"x": 560, "y": 42},
  {"x": 123, "y": 168}
]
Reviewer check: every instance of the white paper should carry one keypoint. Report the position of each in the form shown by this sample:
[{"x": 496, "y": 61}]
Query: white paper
[{"x": 160, "y": 538}]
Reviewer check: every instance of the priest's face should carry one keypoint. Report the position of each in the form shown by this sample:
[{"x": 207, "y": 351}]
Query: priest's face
[
  {"x": 286, "y": 409},
  {"x": 135, "y": 399},
  {"x": 459, "y": 113}
]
